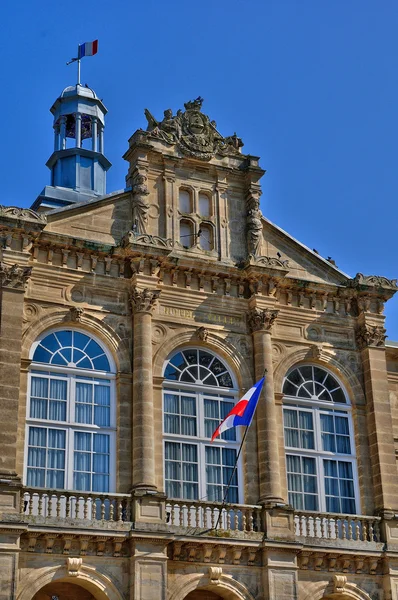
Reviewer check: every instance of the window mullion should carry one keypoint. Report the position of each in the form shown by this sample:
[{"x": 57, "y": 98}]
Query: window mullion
[{"x": 321, "y": 484}]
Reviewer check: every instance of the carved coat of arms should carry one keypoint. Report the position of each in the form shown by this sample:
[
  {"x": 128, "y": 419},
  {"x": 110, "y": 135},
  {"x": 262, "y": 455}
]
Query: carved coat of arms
[{"x": 193, "y": 132}]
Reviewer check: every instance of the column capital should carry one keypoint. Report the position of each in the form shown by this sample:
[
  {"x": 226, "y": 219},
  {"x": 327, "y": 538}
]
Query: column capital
[
  {"x": 144, "y": 300},
  {"x": 14, "y": 276},
  {"x": 370, "y": 335},
  {"x": 261, "y": 319}
]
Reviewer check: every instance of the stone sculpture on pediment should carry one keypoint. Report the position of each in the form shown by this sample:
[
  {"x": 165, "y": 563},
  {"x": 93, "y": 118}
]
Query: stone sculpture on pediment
[
  {"x": 140, "y": 204},
  {"x": 254, "y": 226},
  {"x": 192, "y": 132},
  {"x": 374, "y": 281}
]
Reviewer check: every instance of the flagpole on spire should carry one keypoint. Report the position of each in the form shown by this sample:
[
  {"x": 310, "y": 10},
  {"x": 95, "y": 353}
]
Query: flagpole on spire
[{"x": 86, "y": 49}]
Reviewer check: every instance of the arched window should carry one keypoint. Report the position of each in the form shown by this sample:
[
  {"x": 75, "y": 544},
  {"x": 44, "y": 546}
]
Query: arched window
[
  {"x": 206, "y": 237},
  {"x": 198, "y": 393},
  {"x": 204, "y": 205},
  {"x": 71, "y": 422},
  {"x": 185, "y": 201},
  {"x": 320, "y": 451},
  {"x": 187, "y": 237}
]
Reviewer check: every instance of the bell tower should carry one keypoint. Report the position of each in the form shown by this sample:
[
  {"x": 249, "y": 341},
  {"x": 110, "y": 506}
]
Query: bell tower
[{"x": 78, "y": 165}]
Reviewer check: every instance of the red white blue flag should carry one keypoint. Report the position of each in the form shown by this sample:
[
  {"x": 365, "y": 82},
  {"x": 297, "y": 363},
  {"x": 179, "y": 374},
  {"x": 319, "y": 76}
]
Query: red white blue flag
[
  {"x": 88, "y": 49},
  {"x": 242, "y": 413}
]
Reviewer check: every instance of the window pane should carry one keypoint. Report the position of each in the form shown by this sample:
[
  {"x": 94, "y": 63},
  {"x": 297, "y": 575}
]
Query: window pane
[
  {"x": 81, "y": 481},
  {"x": 101, "y": 443},
  {"x": 84, "y": 392},
  {"x": 39, "y": 387},
  {"x": 57, "y": 411},
  {"x": 37, "y": 457},
  {"x": 37, "y": 436},
  {"x": 171, "y": 404},
  {"x": 342, "y": 425},
  {"x": 172, "y": 451},
  {"x": 188, "y": 426},
  {"x": 58, "y": 389},
  {"x": 309, "y": 466},
  {"x": 56, "y": 459},
  {"x": 56, "y": 438},
  {"x": 82, "y": 461},
  {"x": 348, "y": 506},
  {"x": 327, "y": 423},
  {"x": 83, "y": 441},
  {"x": 310, "y": 502},
  {"x": 290, "y": 418},
  {"x": 39, "y": 408},
  {"x": 100, "y": 483},
  {"x": 204, "y": 205},
  {"x": 343, "y": 444},
  {"x": 36, "y": 477},
  {"x": 171, "y": 424}
]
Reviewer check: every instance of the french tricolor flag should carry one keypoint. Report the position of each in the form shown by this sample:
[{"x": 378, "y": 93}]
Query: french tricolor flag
[
  {"x": 242, "y": 413},
  {"x": 88, "y": 49}
]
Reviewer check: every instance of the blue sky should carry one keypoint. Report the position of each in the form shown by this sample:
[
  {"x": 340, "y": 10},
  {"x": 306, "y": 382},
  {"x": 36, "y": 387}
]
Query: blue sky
[{"x": 310, "y": 85}]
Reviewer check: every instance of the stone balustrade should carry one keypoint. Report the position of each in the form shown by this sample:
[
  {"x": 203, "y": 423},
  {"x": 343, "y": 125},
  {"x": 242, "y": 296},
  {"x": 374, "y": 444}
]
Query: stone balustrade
[
  {"x": 333, "y": 526},
  {"x": 59, "y": 504},
  {"x": 213, "y": 515}
]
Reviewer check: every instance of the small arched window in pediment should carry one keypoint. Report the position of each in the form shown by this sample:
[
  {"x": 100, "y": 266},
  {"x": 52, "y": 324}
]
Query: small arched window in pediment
[
  {"x": 185, "y": 201},
  {"x": 204, "y": 205}
]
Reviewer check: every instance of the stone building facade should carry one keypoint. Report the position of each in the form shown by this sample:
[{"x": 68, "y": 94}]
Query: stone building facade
[{"x": 130, "y": 325}]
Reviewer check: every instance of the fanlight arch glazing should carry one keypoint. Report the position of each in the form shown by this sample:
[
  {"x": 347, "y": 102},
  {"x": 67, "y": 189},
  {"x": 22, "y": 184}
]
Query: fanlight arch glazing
[
  {"x": 310, "y": 382},
  {"x": 71, "y": 348},
  {"x": 197, "y": 366}
]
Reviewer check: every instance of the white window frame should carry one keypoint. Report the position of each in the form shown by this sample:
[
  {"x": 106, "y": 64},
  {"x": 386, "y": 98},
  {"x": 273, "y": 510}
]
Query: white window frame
[
  {"x": 70, "y": 426},
  {"x": 317, "y": 407},
  {"x": 201, "y": 392}
]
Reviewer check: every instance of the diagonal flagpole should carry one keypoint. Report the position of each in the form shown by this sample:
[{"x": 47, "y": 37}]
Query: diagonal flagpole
[{"x": 224, "y": 502}]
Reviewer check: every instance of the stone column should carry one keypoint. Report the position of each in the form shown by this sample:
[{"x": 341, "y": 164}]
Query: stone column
[
  {"x": 13, "y": 280},
  {"x": 143, "y": 475},
  {"x": 370, "y": 335},
  {"x": 260, "y": 322},
  {"x": 94, "y": 133},
  {"x": 78, "y": 129}
]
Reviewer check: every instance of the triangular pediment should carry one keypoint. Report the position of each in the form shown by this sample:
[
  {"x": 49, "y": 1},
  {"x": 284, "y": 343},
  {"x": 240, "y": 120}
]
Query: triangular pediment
[
  {"x": 102, "y": 220},
  {"x": 302, "y": 262}
]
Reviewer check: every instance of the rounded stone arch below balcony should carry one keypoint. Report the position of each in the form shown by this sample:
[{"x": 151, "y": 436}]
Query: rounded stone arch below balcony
[{"x": 74, "y": 580}]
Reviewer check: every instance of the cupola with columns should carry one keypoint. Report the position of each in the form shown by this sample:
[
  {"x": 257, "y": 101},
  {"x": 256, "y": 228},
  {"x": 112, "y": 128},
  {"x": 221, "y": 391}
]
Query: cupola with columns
[{"x": 78, "y": 165}]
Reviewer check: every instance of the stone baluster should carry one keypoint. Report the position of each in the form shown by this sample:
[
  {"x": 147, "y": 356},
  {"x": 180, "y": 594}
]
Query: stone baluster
[
  {"x": 260, "y": 322},
  {"x": 143, "y": 303}
]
